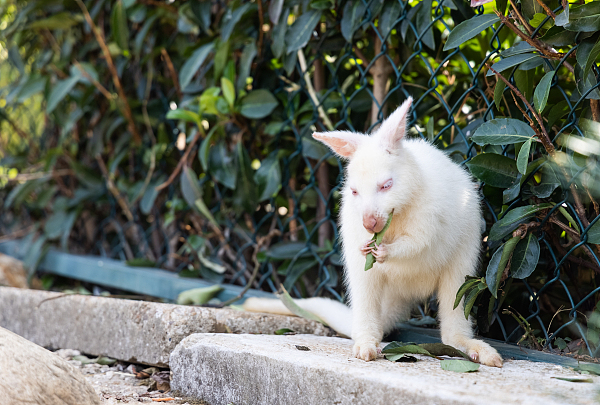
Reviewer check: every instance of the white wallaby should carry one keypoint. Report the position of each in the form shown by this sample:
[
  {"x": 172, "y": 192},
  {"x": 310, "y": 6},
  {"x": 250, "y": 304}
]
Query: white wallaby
[{"x": 433, "y": 241}]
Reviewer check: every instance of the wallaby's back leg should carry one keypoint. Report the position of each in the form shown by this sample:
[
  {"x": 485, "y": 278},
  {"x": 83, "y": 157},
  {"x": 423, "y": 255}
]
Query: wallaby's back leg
[{"x": 456, "y": 330}]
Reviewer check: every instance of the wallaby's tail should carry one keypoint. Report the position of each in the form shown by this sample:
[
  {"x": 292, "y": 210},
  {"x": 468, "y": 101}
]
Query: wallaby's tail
[{"x": 334, "y": 313}]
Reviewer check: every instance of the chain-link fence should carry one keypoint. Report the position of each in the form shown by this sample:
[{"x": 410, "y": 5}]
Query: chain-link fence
[{"x": 395, "y": 51}]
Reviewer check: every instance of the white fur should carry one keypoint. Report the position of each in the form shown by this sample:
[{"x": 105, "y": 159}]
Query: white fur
[{"x": 432, "y": 244}]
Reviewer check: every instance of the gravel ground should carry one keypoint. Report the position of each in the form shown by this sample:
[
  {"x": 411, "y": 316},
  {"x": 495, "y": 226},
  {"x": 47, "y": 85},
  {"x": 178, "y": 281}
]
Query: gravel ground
[{"x": 118, "y": 383}]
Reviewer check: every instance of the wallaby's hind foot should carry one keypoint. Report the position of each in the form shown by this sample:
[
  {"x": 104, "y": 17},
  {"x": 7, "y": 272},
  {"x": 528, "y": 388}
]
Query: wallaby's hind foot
[{"x": 483, "y": 353}]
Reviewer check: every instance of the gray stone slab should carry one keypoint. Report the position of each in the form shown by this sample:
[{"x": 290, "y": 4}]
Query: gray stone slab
[
  {"x": 137, "y": 331},
  {"x": 248, "y": 369}
]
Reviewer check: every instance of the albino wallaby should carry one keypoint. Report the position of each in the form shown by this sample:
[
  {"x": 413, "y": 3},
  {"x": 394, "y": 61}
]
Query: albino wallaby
[{"x": 433, "y": 241}]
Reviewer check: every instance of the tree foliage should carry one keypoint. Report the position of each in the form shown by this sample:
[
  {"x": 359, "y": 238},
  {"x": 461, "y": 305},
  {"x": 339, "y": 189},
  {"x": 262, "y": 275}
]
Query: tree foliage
[{"x": 179, "y": 133}]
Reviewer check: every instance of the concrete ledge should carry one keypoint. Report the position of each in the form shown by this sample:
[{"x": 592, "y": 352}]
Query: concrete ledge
[
  {"x": 136, "y": 331},
  {"x": 247, "y": 369}
]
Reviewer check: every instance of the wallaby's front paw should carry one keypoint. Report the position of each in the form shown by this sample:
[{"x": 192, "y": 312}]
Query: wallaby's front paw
[
  {"x": 365, "y": 351},
  {"x": 380, "y": 253},
  {"x": 367, "y": 247},
  {"x": 483, "y": 353}
]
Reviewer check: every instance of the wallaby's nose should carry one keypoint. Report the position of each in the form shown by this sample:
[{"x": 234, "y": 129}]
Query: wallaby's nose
[{"x": 370, "y": 223}]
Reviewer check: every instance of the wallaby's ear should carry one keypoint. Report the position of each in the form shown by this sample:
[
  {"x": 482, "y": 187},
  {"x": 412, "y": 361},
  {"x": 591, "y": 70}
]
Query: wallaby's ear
[
  {"x": 393, "y": 129},
  {"x": 344, "y": 143}
]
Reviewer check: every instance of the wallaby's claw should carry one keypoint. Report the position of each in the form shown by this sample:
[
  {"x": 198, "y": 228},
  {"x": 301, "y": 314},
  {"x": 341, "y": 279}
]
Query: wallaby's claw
[
  {"x": 380, "y": 253},
  {"x": 365, "y": 248}
]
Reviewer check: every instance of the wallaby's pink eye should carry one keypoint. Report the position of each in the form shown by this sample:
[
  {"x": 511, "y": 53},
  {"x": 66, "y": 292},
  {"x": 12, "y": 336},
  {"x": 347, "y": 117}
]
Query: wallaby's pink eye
[
  {"x": 354, "y": 192},
  {"x": 387, "y": 185}
]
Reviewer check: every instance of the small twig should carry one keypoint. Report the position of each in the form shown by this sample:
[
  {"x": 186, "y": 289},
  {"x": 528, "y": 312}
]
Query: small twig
[
  {"x": 533, "y": 42},
  {"x": 524, "y": 22},
  {"x": 113, "y": 71},
  {"x": 17, "y": 234},
  {"x": 547, "y": 9},
  {"x": 172, "y": 72},
  {"x": 113, "y": 189},
  {"x": 53, "y": 298},
  {"x": 545, "y": 138},
  {"x": 261, "y": 22},
  {"x": 312, "y": 93},
  {"x": 182, "y": 161},
  {"x": 95, "y": 82}
]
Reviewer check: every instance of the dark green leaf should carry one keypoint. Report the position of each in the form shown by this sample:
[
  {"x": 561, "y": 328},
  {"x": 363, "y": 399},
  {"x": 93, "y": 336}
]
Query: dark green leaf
[
  {"x": 222, "y": 165},
  {"x": 525, "y": 257},
  {"x": 268, "y": 177},
  {"x": 231, "y": 19},
  {"x": 201, "y": 10},
  {"x": 353, "y": 14},
  {"x": 470, "y": 299},
  {"x": 424, "y": 18},
  {"x": 594, "y": 233},
  {"x": 388, "y": 18},
  {"x": 498, "y": 263},
  {"x": 283, "y": 331},
  {"x": 495, "y": 170},
  {"x": 503, "y": 131},
  {"x": 62, "y": 21},
  {"x": 278, "y": 43},
  {"x": 459, "y": 366},
  {"x": 591, "y": 55},
  {"x": 511, "y": 193},
  {"x": 540, "y": 95},
  {"x": 575, "y": 379},
  {"x": 584, "y": 18},
  {"x": 298, "y": 35},
  {"x": 295, "y": 309},
  {"x": 54, "y": 226},
  {"x": 296, "y": 269},
  {"x": 184, "y": 115},
  {"x": 401, "y": 357},
  {"x": 192, "y": 193},
  {"x": 203, "y": 152},
  {"x": 198, "y": 296},
  {"x": 560, "y": 343},
  {"x": 511, "y": 61},
  {"x": 222, "y": 54},
  {"x": 34, "y": 254},
  {"x": 469, "y": 29},
  {"x": 245, "y": 192},
  {"x": 440, "y": 349},
  {"x": 498, "y": 92},
  {"x": 523, "y": 157},
  {"x": 395, "y": 348},
  {"x": 275, "y": 7},
  {"x": 557, "y": 36},
  {"x": 512, "y": 219},
  {"x": 258, "y": 104},
  {"x": 520, "y": 48},
  {"x": 141, "y": 35},
  {"x": 118, "y": 22},
  {"x": 59, "y": 92},
  {"x": 140, "y": 262},
  {"x": 191, "y": 66},
  {"x": 228, "y": 91},
  {"x": 289, "y": 250},
  {"x": 248, "y": 55},
  {"x": 378, "y": 238},
  {"x": 467, "y": 285},
  {"x": 592, "y": 368}
]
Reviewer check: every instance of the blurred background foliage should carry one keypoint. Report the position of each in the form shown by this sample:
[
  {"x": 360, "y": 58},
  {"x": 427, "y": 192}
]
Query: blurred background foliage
[{"x": 177, "y": 135}]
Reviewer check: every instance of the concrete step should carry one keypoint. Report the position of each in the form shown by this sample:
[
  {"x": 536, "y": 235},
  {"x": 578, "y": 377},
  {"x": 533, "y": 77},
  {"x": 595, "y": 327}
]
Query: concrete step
[
  {"x": 249, "y": 369},
  {"x": 136, "y": 331}
]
